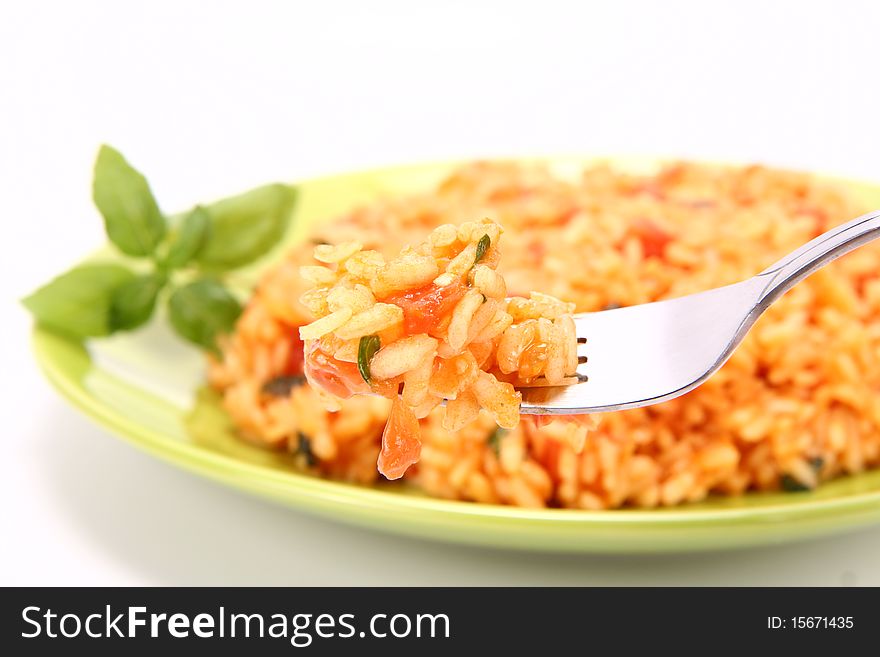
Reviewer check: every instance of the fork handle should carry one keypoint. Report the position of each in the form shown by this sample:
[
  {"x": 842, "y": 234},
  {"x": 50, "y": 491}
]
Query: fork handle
[{"x": 817, "y": 253}]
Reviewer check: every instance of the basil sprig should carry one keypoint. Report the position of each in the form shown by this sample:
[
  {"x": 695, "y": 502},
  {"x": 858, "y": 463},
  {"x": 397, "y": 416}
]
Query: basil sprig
[{"x": 183, "y": 261}]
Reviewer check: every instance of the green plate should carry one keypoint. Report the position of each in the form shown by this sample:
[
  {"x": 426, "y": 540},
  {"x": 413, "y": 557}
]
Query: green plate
[{"x": 147, "y": 388}]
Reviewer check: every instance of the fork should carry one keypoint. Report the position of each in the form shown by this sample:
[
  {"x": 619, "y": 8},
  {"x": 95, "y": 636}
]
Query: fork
[{"x": 649, "y": 353}]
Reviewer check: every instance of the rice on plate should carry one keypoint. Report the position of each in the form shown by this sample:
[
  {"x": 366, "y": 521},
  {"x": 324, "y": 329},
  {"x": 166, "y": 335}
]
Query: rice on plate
[{"x": 796, "y": 404}]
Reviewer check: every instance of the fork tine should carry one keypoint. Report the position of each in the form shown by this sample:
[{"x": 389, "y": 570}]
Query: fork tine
[{"x": 639, "y": 355}]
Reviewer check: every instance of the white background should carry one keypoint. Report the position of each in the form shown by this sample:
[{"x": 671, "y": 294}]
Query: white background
[{"x": 212, "y": 97}]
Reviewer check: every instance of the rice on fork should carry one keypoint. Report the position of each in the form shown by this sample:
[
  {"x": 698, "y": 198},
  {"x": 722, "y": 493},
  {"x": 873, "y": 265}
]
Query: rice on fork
[{"x": 433, "y": 324}]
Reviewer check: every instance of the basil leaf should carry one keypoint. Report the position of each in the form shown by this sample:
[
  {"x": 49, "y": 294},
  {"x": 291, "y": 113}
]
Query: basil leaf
[
  {"x": 132, "y": 303},
  {"x": 482, "y": 247},
  {"x": 78, "y": 303},
  {"x": 202, "y": 310},
  {"x": 367, "y": 348},
  {"x": 192, "y": 236},
  {"x": 131, "y": 216},
  {"x": 247, "y": 226}
]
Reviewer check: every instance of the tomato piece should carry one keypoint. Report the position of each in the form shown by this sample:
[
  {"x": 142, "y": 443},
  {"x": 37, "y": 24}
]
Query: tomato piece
[
  {"x": 651, "y": 189},
  {"x": 539, "y": 421},
  {"x": 297, "y": 356},
  {"x": 424, "y": 307},
  {"x": 653, "y": 238},
  {"x": 337, "y": 377},
  {"x": 819, "y": 217},
  {"x": 536, "y": 250},
  {"x": 401, "y": 444}
]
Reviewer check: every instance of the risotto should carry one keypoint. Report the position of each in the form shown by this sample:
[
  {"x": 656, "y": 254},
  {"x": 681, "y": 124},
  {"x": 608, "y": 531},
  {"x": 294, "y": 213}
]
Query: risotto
[{"x": 796, "y": 404}]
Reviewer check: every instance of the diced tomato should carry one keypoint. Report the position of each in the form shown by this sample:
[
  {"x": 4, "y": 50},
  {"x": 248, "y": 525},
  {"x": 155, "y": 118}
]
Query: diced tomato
[
  {"x": 651, "y": 189},
  {"x": 536, "y": 250},
  {"x": 653, "y": 238},
  {"x": 819, "y": 216},
  {"x": 424, "y": 307},
  {"x": 539, "y": 421},
  {"x": 297, "y": 357},
  {"x": 401, "y": 444},
  {"x": 337, "y": 377}
]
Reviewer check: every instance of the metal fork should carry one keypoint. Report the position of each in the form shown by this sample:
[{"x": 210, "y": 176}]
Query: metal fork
[{"x": 650, "y": 353}]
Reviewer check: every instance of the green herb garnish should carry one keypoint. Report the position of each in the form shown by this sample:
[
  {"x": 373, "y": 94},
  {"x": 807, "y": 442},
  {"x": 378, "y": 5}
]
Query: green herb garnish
[
  {"x": 78, "y": 303},
  {"x": 132, "y": 303},
  {"x": 246, "y": 226},
  {"x": 131, "y": 216},
  {"x": 482, "y": 247},
  {"x": 281, "y": 386},
  {"x": 367, "y": 348},
  {"x": 198, "y": 247},
  {"x": 304, "y": 447},
  {"x": 792, "y": 485},
  {"x": 202, "y": 310},
  {"x": 195, "y": 229},
  {"x": 494, "y": 439}
]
